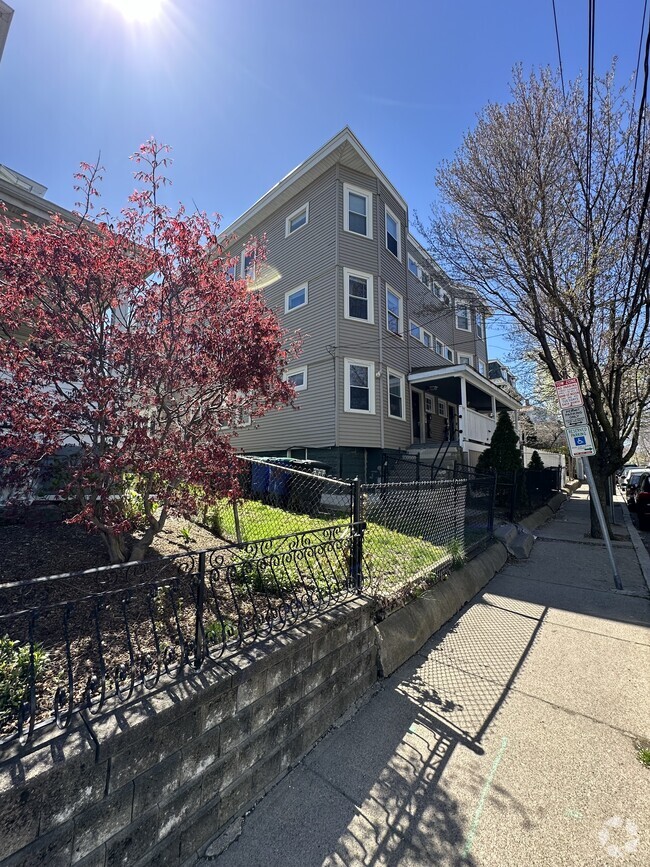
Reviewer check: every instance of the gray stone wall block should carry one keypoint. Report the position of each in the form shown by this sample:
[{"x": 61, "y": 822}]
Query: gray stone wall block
[
  {"x": 134, "y": 842},
  {"x": 235, "y": 730},
  {"x": 265, "y": 773},
  {"x": 70, "y": 788},
  {"x": 320, "y": 671},
  {"x": 157, "y": 783},
  {"x": 173, "y": 812},
  {"x": 200, "y": 753},
  {"x": 234, "y": 799},
  {"x": 165, "y": 854},
  {"x": 102, "y": 821},
  {"x": 203, "y": 826},
  {"x": 220, "y": 776},
  {"x": 49, "y": 850},
  {"x": 140, "y": 755},
  {"x": 251, "y": 689},
  {"x": 329, "y": 641},
  {"x": 20, "y": 811},
  {"x": 218, "y": 708},
  {"x": 275, "y": 702},
  {"x": 279, "y": 674}
]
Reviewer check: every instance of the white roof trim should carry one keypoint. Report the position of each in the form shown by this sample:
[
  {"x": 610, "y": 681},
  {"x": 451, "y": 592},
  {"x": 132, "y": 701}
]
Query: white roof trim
[
  {"x": 346, "y": 135},
  {"x": 468, "y": 373}
]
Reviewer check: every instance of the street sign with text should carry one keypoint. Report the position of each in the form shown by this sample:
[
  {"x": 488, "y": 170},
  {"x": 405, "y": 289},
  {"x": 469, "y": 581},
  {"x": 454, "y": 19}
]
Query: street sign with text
[
  {"x": 574, "y": 415},
  {"x": 568, "y": 393},
  {"x": 581, "y": 443}
]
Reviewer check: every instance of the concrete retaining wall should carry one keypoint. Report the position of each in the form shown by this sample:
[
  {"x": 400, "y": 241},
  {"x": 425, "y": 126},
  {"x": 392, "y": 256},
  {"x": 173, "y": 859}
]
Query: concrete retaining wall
[{"x": 152, "y": 782}]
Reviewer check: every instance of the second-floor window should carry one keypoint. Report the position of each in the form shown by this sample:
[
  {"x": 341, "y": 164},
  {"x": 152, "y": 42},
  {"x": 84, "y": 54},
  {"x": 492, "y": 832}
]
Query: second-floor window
[
  {"x": 395, "y": 395},
  {"x": 393, "y": 312},
  {"x": 465, "y": 358},
  {"x": 298, "y": 378},
  {"x": 248, "y": 265},
  {"x": 357, "y": 211},
  {"x": 358, "y": 296},
  {"x": 296, "y": 220},
  {"x": 393, "y": 234},
  {"x": 421, "y": 334},
  {"x": 463, "y": 320},
  {"x": 295, "y": 298},
  {"x": 481, "y": 367}
]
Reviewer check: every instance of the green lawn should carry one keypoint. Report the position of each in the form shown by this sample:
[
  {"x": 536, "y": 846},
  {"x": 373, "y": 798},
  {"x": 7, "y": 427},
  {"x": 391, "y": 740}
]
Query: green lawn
[{"x": 391, "y": 559}]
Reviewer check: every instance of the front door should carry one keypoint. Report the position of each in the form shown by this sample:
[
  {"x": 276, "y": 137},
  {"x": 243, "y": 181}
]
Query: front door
[{"x": 416, "y": 415}]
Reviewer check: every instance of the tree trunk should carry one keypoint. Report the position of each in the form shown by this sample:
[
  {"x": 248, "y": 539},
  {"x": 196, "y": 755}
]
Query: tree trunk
[
  {"x": 117, "y": 550},
  {"x": 601, "y": 478}
]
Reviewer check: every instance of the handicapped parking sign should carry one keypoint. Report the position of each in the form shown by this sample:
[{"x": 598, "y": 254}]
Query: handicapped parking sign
[{"x": 580, "y": 441}]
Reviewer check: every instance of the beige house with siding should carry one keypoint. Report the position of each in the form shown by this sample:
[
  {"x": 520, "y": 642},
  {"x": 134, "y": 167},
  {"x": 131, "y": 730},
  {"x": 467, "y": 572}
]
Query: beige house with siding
[{"x": 394, "y": 354}]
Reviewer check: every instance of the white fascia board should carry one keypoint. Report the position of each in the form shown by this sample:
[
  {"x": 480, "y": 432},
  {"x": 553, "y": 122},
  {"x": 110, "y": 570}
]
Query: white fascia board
[
  {"x": 346, "y": 135},
  {"x": 470, "y": 375}
]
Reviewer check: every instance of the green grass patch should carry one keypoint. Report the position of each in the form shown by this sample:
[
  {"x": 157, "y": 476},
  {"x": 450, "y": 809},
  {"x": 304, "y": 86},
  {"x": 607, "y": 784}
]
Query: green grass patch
[
  {"x": 643, "y": 755},
  {"x": 391, "y": 558}
]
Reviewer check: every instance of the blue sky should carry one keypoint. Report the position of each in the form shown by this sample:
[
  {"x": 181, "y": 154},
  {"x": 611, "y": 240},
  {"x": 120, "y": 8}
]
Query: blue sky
[{"x": 245, "y": 90}]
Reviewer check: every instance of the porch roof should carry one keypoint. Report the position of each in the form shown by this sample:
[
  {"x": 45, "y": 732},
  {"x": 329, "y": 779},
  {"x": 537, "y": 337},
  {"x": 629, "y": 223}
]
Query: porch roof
[{"x": 445, "y": 382}]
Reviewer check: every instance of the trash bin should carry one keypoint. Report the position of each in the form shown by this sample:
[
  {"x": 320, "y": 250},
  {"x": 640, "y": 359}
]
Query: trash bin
[
  {"x": 306, "y": 491},
  {"x": 279, "y": 482},
  {"x": 260, "y": 480}
]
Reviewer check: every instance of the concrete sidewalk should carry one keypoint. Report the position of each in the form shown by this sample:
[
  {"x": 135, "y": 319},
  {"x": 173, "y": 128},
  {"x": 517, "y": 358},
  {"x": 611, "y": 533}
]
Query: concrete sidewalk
[{"x": 508, "y": 740}]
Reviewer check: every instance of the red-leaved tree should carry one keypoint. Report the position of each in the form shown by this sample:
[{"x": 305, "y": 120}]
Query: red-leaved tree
[{"x": 131, "y": 340}]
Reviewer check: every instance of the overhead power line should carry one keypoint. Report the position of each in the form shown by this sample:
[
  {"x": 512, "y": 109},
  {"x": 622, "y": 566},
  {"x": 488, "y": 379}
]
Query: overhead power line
[{"x": 559, "y": 53}]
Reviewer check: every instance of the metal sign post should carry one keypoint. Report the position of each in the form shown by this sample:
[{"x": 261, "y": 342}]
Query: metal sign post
[{"x": 581, "y": 445}]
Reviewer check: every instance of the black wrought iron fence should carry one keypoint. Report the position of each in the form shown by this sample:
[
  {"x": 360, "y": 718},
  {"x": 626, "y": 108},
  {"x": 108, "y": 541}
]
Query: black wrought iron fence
[
  {"x": 411, "y": 468},
  {"x": 87, "y": 640}
]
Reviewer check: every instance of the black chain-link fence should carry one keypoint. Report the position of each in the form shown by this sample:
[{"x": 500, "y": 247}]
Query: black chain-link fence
[
  {"x": 517, "y": 493},
  {"x": 412, "y": 468},
  {"x": 417, "y": 531},
  {"x": 280, "y": 496}
]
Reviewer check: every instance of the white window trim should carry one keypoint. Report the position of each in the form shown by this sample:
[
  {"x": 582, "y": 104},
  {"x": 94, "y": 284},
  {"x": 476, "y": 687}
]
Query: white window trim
[
  {"x": 429, "y": 403},
  {"x": 421, "y": 332},
  {"x": 467, "y": 355},
  {"x": 412, "y": 325},
  {"x": 479, "y": 324},
  {"x": 400, "y": 331},
  {"x": 402, "y": 385},
  {"x": 347, "y": 362},
  {"x": 388, "y": 213},
  {"x": 293, "y": 371},
  {"x": 448, "y": 349},
  {"x": 359, "y": 191},
  {"x": 481, "y": 367},
  {"x": 296, "y": 213},
  {"x": 469, "y": 317},
  {"x": 290, "y": 292},
  {"x": 347, "y": 273},
  {"x": 431, "y": 339},
  {"x": 440, "y": 402}
]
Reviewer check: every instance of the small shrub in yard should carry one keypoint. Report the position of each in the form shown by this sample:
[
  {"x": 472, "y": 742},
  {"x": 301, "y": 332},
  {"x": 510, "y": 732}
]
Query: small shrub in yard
[
  {"x": 456, "y": 551},
  {"x": 14, "y": 674},
  {"x": 217, "y": 631}
]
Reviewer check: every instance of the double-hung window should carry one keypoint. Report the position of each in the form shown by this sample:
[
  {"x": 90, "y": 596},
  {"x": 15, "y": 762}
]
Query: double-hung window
[
  {"x": 359, "y": 386},
  {"x": 396, "y": 395},
  {"x": 415, "y": 331},
  {"x": 248, "y": 265},
  {"x": 465, "y": 358},
  {"x": 393, "y": 241},
  {"x": 359, "y": 300},
  {"x": 479, "y": 325},
  {"x": 295, "y": 298},
  {"x": 297, "y": 376},
  {"x": 463, "y": 320},
  {"x": 414, "y": 268},
  {"x": 296, "y": 220},
  {"x": 357, "y": 210},
  {"x": 481, "y": 367},
  {"x": 394, "y": 312}
]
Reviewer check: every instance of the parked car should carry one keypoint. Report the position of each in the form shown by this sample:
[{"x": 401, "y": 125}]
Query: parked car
[
  {"x": 627, "y": 471},
  {"x": 642, "y": 501},
  {"x": 632, "y": 485}
]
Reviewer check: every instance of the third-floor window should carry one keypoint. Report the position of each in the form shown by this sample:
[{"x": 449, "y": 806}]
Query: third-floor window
[{"x": 357, "y": 211}]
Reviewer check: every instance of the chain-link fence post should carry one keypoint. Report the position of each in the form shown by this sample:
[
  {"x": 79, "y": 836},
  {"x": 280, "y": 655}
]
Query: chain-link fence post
[
  {"x": 493, "y": 501},
  {"x": 417, "y": 466},
  {"x": 357, "y": 536}
]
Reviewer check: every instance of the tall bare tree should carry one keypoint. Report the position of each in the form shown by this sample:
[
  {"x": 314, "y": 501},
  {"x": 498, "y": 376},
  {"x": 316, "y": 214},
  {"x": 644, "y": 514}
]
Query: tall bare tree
[{"x": 546, "y": 213}]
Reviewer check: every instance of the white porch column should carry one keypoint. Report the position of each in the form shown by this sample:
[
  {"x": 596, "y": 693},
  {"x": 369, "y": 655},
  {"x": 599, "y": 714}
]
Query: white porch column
[
  {"x": 494, "y": 407},
  {"x": 461, "y": 412}
]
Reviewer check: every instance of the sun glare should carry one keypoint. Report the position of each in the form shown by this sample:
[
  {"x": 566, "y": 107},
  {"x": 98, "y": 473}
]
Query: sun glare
[{"x": 138, "y": 10}]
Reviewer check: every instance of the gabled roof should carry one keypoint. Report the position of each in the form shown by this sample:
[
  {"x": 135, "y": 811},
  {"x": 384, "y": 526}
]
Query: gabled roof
[{"x": 343, "y": 147}]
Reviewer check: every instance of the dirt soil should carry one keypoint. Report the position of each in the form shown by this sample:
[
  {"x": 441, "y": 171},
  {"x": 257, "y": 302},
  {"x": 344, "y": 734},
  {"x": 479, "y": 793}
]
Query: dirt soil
[{"x": 52, "y": 547}]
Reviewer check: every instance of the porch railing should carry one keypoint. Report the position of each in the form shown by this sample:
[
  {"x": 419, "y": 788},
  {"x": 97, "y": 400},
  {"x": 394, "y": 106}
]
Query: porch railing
[{"x": 477, "y": 427}]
